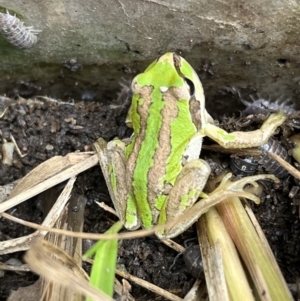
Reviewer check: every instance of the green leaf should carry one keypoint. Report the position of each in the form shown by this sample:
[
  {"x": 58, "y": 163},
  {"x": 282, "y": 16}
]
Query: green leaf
[{"x": 103, "y": 269}]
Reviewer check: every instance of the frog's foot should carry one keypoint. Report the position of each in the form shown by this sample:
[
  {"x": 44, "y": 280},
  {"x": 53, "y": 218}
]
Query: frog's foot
[{"x": 237, "y": 188}]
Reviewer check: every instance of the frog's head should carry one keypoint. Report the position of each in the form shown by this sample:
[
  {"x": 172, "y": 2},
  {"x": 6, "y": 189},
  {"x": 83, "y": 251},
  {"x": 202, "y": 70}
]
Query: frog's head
[{"x": 171, "y": 70}]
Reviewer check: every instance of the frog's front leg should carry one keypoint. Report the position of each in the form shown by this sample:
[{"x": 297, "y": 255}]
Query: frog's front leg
[
  {"x": 245, "y": 139},
  {"x": 185, "y": 192},
  {"x": 113, "y": 165}
]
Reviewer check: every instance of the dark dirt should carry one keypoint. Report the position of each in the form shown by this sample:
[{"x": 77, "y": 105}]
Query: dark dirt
[{"x": 44, "y": 129}]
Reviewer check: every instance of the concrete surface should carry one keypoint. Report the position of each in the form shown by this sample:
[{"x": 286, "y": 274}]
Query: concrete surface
[{"x": 249, "y": 45}]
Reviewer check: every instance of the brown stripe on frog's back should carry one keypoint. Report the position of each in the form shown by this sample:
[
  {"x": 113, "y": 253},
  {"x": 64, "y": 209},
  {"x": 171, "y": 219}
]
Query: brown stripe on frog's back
[
  {"x": 156, "y": 174},
  {"x": 195, "y": 112},
  {"x": 140, "y": 110}
]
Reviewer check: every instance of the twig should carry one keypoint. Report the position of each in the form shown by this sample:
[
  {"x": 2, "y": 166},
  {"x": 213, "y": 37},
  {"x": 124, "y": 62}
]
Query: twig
[
  {"x": 292, "y": 170},
  {"x": 149, "y": 286}
]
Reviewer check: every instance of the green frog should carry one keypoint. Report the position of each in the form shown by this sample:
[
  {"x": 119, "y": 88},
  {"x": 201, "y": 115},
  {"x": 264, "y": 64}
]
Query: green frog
[{"x": 157, "y": 177}]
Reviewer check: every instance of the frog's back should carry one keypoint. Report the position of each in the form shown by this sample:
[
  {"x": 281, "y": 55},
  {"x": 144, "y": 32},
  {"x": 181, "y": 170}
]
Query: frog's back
[{"x": 162, "y": 131}]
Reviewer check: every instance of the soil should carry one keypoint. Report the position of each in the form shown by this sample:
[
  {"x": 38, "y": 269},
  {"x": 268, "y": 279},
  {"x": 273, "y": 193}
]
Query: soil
[{"x": 43, "y": 129}]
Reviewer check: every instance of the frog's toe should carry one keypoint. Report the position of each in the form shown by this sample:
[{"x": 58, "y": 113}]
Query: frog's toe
[
  {"x": 253, "y": 179},
  {"x": 239, "y": 185},
  {"x": 249, "y": 196}
]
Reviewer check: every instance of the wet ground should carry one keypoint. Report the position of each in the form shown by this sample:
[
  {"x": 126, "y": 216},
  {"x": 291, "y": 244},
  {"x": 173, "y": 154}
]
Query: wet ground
[{"x": 43, "y": 129}]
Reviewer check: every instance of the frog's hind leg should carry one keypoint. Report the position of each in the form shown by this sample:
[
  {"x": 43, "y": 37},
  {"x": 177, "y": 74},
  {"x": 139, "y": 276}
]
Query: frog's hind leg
[
  {"x": 185, "y": 192},
  {"x": 113, "y": 165},
  {"x": 225, "y": 190}
]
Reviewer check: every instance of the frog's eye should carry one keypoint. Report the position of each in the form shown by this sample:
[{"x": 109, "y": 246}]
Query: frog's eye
[{"x": 191, "y": 85}]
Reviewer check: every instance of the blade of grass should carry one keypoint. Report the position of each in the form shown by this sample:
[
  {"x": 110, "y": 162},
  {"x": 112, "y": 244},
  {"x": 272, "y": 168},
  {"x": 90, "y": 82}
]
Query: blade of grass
[
  {"x": 212, "y": 264},
  {"x": 236, "y": 280},
  {"x": 260, "y": 262},
  {"x": 103, "y": 268},
  {"x": 263, "y": 269}
]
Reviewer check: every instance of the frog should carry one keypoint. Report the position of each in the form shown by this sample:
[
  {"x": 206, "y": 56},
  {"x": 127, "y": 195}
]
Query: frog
[{"x": 156, "y": 177}]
